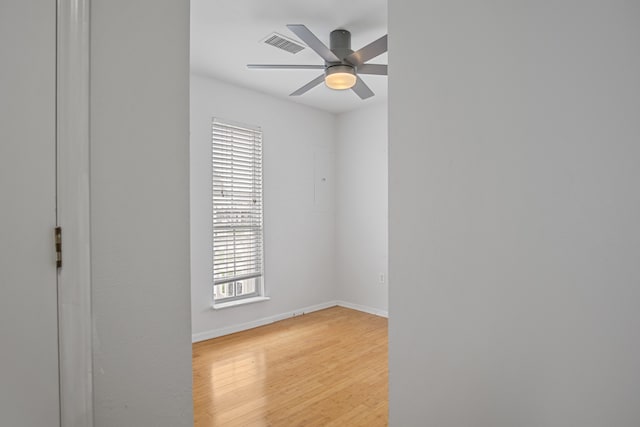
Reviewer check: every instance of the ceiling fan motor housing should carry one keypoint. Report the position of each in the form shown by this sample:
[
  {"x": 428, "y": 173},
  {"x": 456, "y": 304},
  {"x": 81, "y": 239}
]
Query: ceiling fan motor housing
[{"x": 340, "y": 44}]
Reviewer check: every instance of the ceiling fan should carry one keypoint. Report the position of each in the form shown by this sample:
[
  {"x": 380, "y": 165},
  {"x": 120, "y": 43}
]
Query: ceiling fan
[{"x": 342, "y": 65}]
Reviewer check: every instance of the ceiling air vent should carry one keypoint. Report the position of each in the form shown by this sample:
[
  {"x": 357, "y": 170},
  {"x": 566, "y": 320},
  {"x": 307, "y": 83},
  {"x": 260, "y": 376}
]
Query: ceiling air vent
[{"x": 282, "y": 42}]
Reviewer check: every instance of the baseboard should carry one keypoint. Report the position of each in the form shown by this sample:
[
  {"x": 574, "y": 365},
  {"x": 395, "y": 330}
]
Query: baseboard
[
  {"x": 215, "y": 333},
  {"x": 207, "y": 335},
  {"x": 364, "y": 308}
]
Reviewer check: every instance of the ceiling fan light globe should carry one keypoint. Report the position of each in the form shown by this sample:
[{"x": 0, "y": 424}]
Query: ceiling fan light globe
[{"x": 340, "y": 77}]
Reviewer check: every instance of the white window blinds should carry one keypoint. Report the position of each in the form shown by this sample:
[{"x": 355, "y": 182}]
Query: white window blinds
[{"x": 237, "y": 202}]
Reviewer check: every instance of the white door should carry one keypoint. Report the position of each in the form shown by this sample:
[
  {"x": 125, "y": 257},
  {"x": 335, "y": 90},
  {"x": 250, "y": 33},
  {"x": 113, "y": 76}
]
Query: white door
[{"x": 29, "y": 381}]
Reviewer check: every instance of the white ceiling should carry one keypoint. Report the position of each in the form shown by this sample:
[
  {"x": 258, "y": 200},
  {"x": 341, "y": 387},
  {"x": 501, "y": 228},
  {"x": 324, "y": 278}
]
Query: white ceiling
[{"x": 227, "y": 35}]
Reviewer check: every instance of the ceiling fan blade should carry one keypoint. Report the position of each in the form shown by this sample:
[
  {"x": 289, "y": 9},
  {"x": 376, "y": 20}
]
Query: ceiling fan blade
[
  {"x": 285, "y": 67},
  {"x": 368, "y": 52},
  {"x": 313, "y": 83},
  {"x": 313, "y": 42},
  {"x": 362, "y": 90},
  {"x": 378, "y": 69}
]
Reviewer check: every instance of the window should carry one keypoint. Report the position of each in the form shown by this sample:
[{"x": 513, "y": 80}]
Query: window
[{"x": 237, "y": 212}]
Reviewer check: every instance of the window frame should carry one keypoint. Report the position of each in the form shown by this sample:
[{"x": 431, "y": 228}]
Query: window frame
[{"x": 259, "y": 293}]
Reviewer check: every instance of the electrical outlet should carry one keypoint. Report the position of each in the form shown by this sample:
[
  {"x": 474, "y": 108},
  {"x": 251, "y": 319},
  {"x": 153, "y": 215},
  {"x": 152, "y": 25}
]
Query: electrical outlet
[{"x": 381, "y": 278}]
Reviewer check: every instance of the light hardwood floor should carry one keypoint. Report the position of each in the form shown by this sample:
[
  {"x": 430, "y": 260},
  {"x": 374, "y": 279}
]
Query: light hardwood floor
[{"x": 327, "y": 368}]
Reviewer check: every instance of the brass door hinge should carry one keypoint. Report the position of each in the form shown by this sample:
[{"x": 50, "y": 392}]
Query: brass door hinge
[{"x": 58, "y": 232}]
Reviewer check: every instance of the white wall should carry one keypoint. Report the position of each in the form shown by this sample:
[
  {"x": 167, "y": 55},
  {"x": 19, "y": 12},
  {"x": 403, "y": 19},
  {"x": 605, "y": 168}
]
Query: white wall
[
  {"x": 514, "y": 209},
  {"x": 298, "y": 150},
  {"x": 140, "y": 213},
  {"x": 29, "y": 380},
  {"x": 361, "y": 216}
]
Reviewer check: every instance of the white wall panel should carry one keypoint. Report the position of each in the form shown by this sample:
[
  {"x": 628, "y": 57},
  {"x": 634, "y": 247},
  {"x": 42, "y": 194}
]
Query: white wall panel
[{"x": 514, "y": 206}]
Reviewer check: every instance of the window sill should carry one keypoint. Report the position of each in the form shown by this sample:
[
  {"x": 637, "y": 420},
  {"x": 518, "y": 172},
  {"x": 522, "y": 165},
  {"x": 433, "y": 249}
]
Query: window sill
[{"x": 238, "y": 302}]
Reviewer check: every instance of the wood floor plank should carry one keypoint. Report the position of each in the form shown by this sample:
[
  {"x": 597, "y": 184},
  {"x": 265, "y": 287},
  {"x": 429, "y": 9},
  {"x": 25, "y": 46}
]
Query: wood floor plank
[{"x": 326, "y": 368}]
